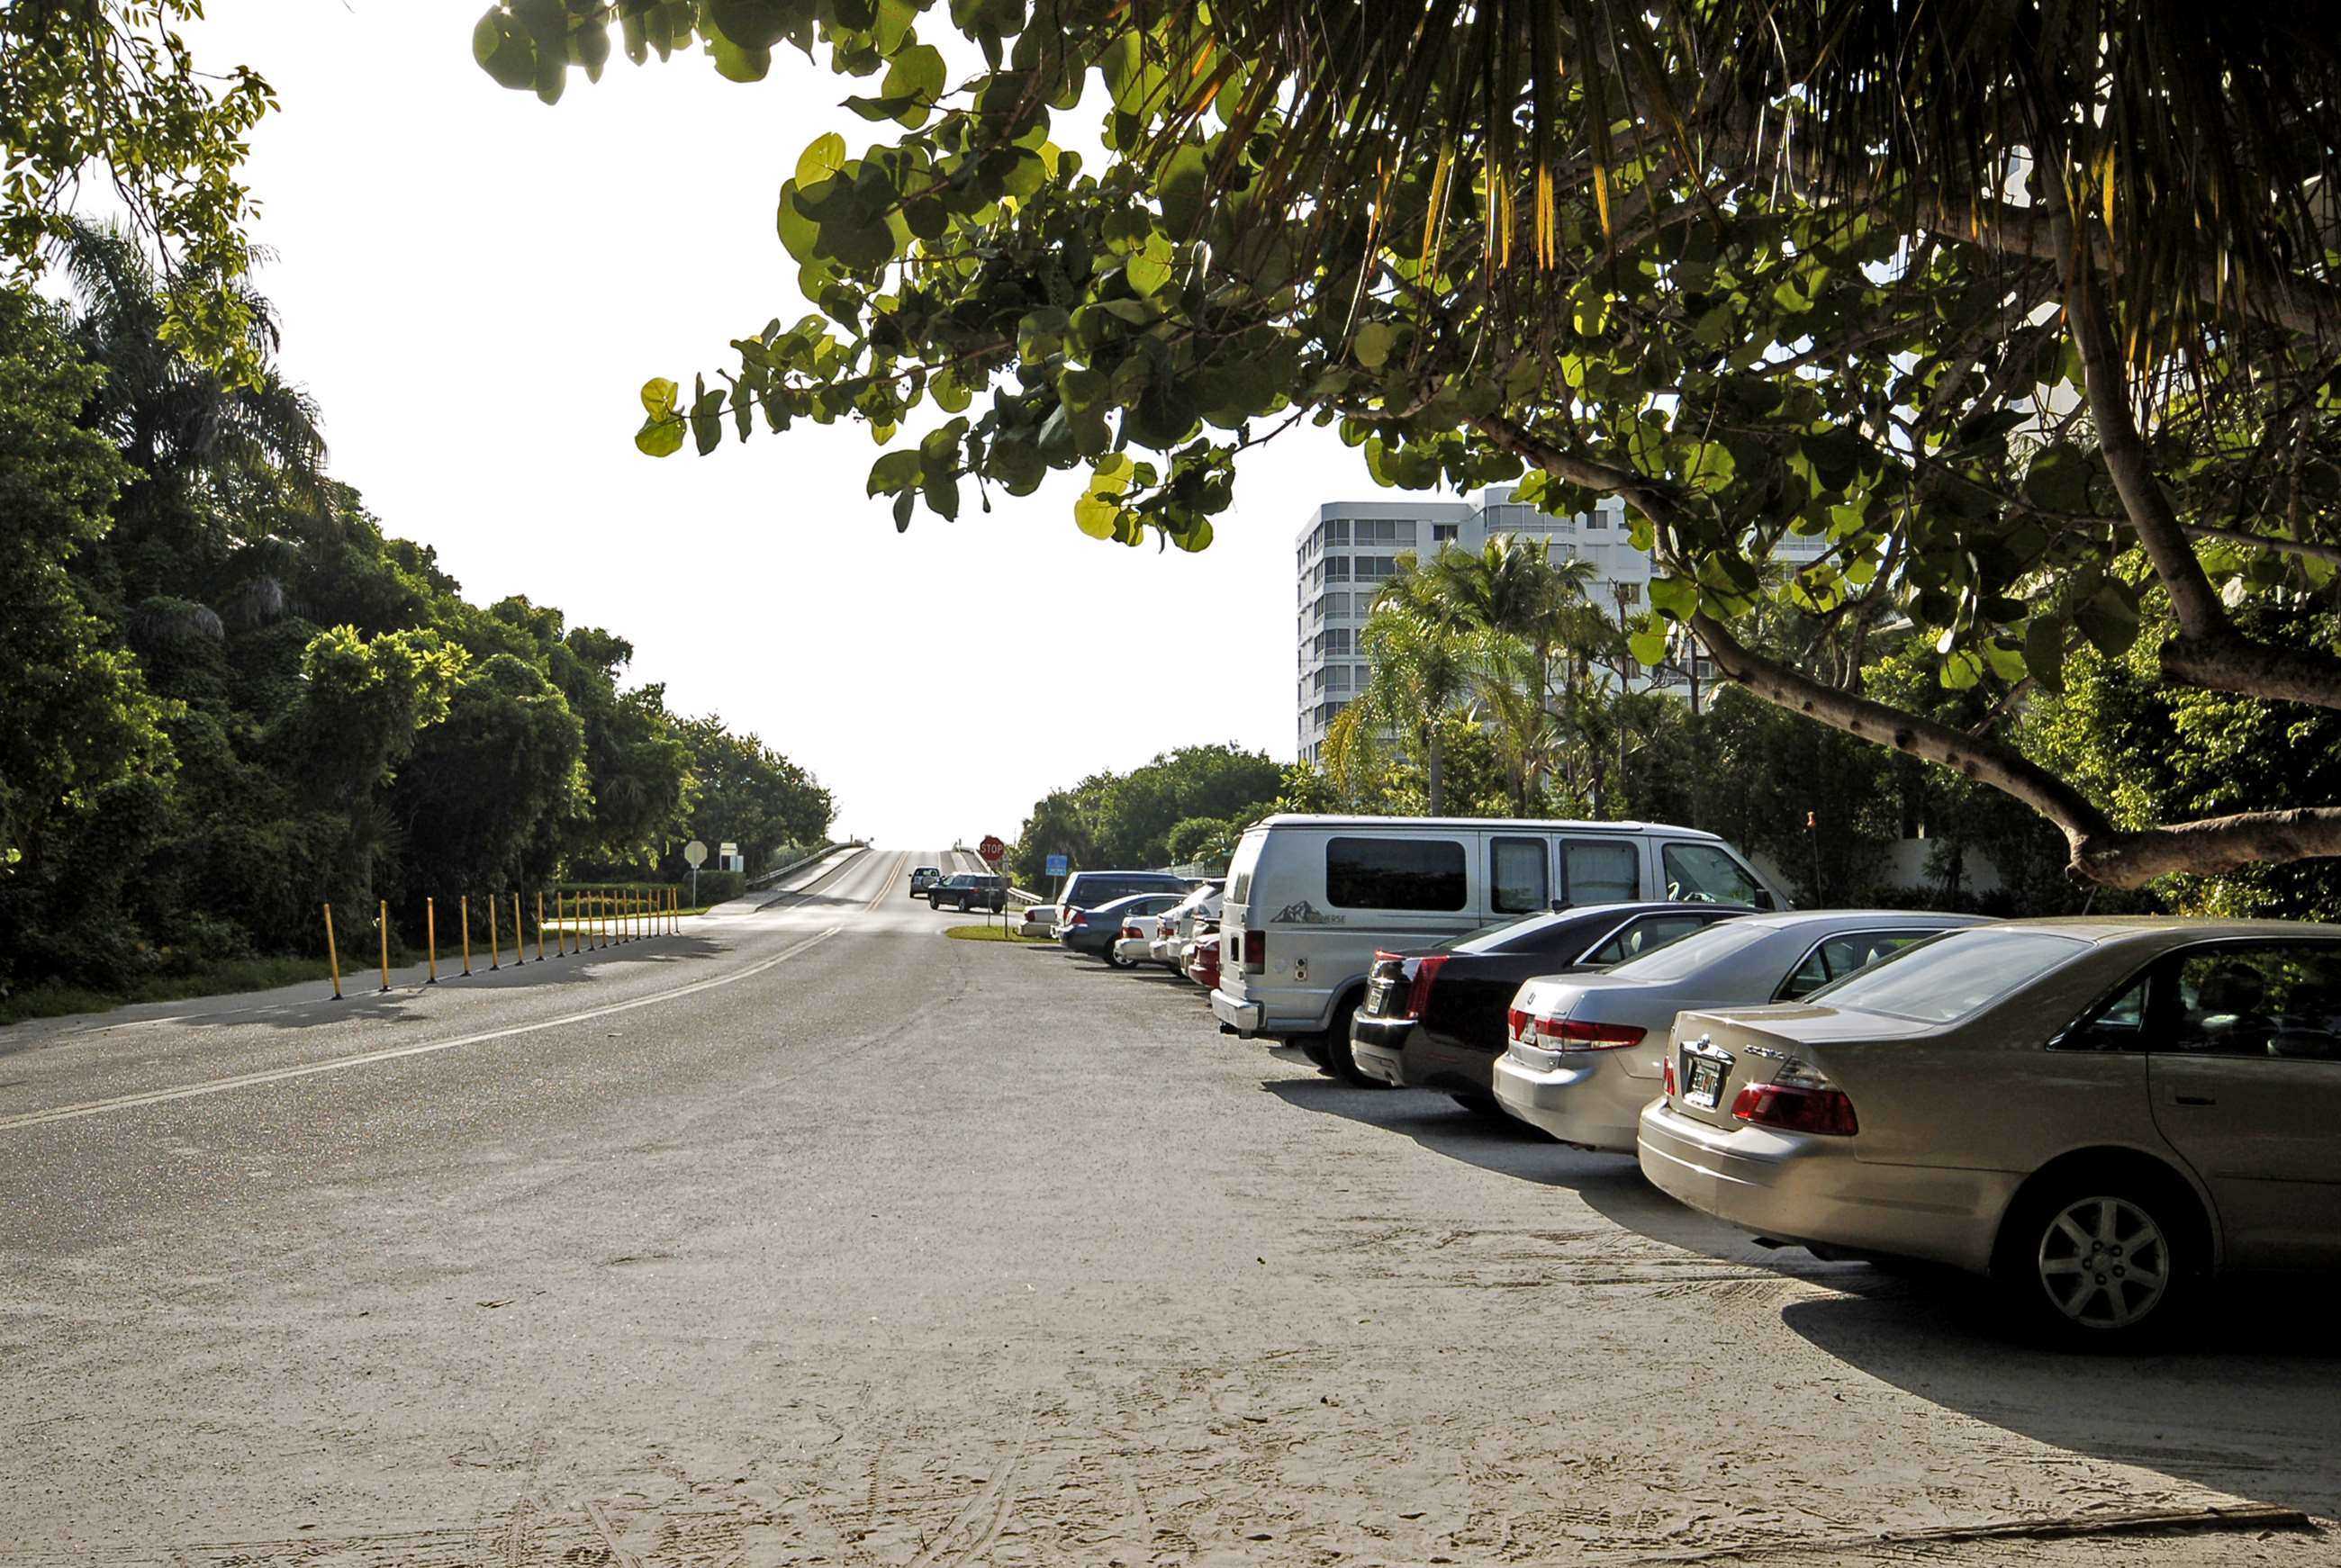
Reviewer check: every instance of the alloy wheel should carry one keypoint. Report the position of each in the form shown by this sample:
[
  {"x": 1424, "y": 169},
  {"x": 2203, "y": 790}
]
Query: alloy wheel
[{"x": 2104, "y": 1262}]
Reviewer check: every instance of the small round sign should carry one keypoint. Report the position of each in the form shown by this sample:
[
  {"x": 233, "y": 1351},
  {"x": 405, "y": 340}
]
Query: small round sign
[
  {"x": 696, "y": 853},
  {"x": 991, "y": 849}
]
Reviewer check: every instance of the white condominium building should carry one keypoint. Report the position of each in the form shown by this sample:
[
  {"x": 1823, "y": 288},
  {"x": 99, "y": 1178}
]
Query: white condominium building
[{"x": 1347, "y": 549}]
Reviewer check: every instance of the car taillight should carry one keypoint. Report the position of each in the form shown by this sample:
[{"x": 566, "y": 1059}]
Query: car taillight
[
  {"x": 1080, "y": 917},
  {"x": 1255, "y": 951},
  {"x": 1417, "y": 993},
  {"x": 1129, "y": 930},
  {"x": 1571, "y": 1034},
  {"x": 1795, "y": 1109},
  {"x": 1666, "y": 1077}
]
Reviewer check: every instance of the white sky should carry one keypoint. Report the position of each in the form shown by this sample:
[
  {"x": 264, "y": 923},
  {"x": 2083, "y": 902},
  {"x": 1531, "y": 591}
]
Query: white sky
[{"x": 475, "y": 286}]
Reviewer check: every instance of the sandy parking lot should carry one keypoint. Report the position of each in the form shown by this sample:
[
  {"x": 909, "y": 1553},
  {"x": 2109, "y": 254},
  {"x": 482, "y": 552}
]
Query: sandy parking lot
[{"x": 905, "y": 1251}]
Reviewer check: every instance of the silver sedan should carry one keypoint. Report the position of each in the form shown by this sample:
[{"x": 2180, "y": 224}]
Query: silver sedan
[
  {"x": 1584, "y": 1052},
  {"x": 2099, "y": 1114}
]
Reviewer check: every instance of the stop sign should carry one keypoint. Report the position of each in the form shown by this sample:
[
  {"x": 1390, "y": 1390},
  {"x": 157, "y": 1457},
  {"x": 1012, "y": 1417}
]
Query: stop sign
[{"x": 991, "y": 849}]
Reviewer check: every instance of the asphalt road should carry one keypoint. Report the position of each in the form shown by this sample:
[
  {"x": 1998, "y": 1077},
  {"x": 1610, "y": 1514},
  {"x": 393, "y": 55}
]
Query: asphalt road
[{"x": 808, "y": 1235}]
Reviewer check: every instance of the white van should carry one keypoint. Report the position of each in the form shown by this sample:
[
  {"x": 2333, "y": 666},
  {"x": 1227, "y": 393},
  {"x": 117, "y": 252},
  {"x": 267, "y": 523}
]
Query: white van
[{"x": 1311, "y": 899}]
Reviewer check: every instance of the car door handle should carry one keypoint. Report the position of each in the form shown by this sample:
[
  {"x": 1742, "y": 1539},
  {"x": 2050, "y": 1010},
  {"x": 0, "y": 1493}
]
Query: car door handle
[{"x": 2193, "y": 1100}]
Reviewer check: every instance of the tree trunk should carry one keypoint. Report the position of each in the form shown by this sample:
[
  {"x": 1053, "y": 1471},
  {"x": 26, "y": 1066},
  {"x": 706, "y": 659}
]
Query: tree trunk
[{"x": 1432, "y": 768}]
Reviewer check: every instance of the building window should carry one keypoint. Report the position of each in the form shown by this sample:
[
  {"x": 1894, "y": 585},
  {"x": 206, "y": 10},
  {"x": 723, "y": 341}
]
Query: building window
[
  {"x": 1442, "y": 532},
  {"x": 1337, "y": 569},
  {"x": 1337, "y": 641},
  {"x": 1337, "y": 531},
  {"x": 1373, "y": 568},
  {"x": 1628, "y": 592}
]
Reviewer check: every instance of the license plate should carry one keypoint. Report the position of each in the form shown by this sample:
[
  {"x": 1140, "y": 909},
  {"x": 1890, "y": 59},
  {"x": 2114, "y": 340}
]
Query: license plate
[
  {"x": 1702, "y": 1082},
  {"x": 1378, "y": 997}
]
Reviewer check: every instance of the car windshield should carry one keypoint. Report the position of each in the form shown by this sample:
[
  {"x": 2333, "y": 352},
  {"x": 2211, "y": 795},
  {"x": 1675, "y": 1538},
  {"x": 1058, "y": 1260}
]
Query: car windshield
[
  {"x": 1944, "y": 979},
  {"x": 1696, "y": 951}
]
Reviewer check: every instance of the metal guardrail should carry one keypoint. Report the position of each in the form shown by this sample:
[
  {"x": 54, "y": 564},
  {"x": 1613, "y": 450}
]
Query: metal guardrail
[{"x": 763, "y": 879}]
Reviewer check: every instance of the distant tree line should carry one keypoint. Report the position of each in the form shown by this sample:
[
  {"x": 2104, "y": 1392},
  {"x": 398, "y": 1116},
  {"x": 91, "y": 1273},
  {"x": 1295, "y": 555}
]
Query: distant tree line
[
  {"x": 1186, "y": 807},
  {"x": 231, "y": 696}
]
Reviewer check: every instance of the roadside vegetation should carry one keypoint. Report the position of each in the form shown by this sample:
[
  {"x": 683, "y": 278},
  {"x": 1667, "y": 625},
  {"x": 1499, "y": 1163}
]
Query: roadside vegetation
[
  {"x": 233, "y": 696},
  {"x": 993, "y": 933},
  {"x": 1184, "y": 808}
]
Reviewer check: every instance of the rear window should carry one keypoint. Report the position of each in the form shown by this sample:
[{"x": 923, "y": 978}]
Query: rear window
[
  {"x": 1696, "y": 951},
  {"x": 1946, "y": 978},
  {"x": 1395, "y": 874}
]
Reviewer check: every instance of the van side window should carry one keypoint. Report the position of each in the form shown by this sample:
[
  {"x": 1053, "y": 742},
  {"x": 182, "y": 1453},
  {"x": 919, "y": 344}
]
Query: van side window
[
  {"x": 1517, "y": 882},
  {"x": 1698, "y": 871},
  {"x": 1601, "y": 870},
  {"x": 1395, "y": 874}
]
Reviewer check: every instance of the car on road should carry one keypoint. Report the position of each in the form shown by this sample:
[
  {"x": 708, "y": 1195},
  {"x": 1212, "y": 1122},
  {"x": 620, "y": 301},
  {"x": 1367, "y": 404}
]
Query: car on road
[
  {"x": 2100, "y": 1113},
  {"x": 1585, "y": 1053},
  {"x": 923, "y": 878},
  {"x": 1310, "y": 900},
  {"x": 970, "y": 890},
  {"x": 1039, "y": 920},
  {"x": 1091, "y": 890},
  {"x": 1175, "y": 927},
  {"x": 1095, "y": 931},
  {"x": 1433, "y": 1017}
]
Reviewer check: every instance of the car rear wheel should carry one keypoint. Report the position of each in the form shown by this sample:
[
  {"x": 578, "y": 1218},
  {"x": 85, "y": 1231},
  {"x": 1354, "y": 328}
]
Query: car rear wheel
[
  {"x": 2105, "y": 1259},
  {"x": 1116, "y": 959},
  {"x": 1313, "y": 1047}
]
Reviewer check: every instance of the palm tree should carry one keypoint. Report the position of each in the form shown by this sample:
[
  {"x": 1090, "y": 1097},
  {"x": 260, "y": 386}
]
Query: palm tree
[{"x": 1422, "y": 672}]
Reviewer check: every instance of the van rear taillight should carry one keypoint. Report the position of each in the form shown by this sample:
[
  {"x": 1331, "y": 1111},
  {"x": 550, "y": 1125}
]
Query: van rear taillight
[
  {"x": 1255, "y": 952},
  {"x": 1797, "y": 1110}
]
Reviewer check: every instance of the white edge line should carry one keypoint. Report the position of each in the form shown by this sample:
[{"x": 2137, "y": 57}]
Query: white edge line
[{"x": 277, "y": 1074}]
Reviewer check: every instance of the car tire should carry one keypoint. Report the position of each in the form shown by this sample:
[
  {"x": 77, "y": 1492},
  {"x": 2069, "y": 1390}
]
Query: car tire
[
  {"x": 1115, "y": 959},
  {"x": 1313, "y": 1047},
  {"x": 1337, "y": 1047},
  {"x": 2103, "y": 1258}
]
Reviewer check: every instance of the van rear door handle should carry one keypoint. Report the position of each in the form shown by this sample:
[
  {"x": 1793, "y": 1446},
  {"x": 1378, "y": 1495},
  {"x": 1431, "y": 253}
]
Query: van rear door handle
[{"x": 2194, "y": 1100}]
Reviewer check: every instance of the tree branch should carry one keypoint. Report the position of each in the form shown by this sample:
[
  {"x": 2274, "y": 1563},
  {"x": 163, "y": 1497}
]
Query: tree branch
[{"x": 2208, "y": 652}]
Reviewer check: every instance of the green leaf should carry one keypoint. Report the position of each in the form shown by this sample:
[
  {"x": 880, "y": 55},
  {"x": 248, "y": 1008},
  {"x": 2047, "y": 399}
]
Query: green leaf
[
  {"x": 2058, "y": 479},
  {"x": 1094, "y": 515},
  {"x": 749, "y": 24},
  {"x": 2108, "y": 618},
  {"x": 506, "y": 53},
  {"x": 659, "y": 437},
  {"x": 800, "y": 235},
  {"x": 1081, "y": 389},
  {"x": 1649, "y": 647},
  {"x": 2043, "y": 652},
  {"x": 894, "y": 471},
  {"x": 819, "y": 160},
  {"x": 1374, "y": 344},
  {"x": 917, "y": 74},
  {"x": 658, "y": 397},
  {"x": 1674, "y": 597},
  {"x": 1149, "y": 269}
]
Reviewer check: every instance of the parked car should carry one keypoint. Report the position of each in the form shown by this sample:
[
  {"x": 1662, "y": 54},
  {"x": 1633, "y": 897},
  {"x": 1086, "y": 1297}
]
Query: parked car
[
  {"x": 970, "y": 890},
  {"x": 1135, "y": 946},
  {"x": 1175, "y": 927},
  {"x": 1310, "y": 900},
  {"x": 2100, "y": 1113},
  {"x": 1203, "y": 959},
  {"x": 1095, "y": 931},
  {"x": 1433, "y": 1017},
  {"x": 1093, "y": 889},
  {"x": 1039, "y": 920},
  {"x": 923, "y": 878},
  {"x": 1585, "y": 1053}
]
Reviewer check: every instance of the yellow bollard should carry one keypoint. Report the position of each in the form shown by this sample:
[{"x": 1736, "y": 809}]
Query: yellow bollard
[
  {"x": 520, "y": 931},
  {"x": 431, "y": 939},
  {"x": 465, "y": 908},
  {"x": 540, "y": 927},
  {"x": 496, "y": 955},
  {"x": 381, "y": 923},
  {"x": 332, "y": 958}
]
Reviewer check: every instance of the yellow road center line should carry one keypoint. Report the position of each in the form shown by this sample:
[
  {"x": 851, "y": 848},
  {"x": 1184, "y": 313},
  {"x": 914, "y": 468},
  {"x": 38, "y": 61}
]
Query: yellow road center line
[{"x": 277, "y": 1074}]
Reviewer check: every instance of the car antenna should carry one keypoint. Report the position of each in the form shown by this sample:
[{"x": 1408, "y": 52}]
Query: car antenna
[{"x": 2090, "y": 901}]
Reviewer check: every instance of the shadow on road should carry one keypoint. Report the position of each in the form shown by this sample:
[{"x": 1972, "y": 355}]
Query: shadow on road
[
  {"x": 2259, "y": 1422},
  {"x": 1610, "y": 1184},
  {"x": 360, "y": 999}
]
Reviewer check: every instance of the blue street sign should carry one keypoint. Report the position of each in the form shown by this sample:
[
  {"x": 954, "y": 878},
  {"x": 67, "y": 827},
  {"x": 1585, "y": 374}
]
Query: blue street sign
[{"x": 1056, "y": 866}]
